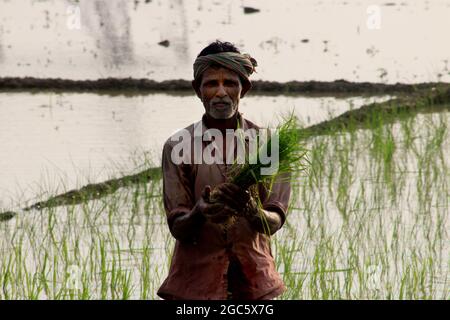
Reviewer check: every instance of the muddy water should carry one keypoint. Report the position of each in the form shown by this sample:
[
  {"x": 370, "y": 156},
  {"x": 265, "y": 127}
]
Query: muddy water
[
  {"x": 71, "y": 139},
  {"x": 368, "y": 40}
]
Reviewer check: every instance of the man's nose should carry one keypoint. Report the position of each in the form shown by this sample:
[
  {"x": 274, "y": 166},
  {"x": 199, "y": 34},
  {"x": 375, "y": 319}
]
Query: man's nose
[{"x": 221, "y": 92}]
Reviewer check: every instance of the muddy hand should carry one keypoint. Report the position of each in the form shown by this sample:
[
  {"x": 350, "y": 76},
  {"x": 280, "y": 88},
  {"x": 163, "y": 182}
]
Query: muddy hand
[
  {"x": 251, "y": 210},
  {"x": 232, "y": 195},
  {"x": 215, "y": 211}
]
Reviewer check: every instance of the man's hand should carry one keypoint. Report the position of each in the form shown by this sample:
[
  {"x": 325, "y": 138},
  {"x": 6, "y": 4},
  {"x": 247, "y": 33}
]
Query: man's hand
[
  {"x": 237, "y": 199},
  {"x": 216, "y": 211},
  {"x": 231, "y": 195},
  {"x": 225, "y": 201},
  {"x": 252, "y": 211},
  {"x": 186, "y": 227},
  {"x": 240, "y": 200}
]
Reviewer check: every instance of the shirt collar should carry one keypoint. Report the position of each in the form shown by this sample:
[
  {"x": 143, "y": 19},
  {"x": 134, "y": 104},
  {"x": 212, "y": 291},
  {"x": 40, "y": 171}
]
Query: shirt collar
[{"x": 242, "y": 125}]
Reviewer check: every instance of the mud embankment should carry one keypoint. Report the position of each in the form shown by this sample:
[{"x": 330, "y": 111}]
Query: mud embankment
[
  {"x": 144, "y": 86},
  {"x": 423, "y": 101},
  {"x": 98, "y": 190},
  {"x": 90, "y": 192}
]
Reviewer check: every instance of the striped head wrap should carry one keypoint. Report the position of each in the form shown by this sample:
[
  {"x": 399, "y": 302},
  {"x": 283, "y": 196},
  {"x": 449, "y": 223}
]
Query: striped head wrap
[{"x": 243, "y": 64}]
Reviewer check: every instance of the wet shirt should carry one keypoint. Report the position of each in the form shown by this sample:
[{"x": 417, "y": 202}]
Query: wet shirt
[{"x": 199, "y": 268}]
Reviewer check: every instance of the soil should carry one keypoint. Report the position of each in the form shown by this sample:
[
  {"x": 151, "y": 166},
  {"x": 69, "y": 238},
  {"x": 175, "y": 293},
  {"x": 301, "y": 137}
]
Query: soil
[{"x": 144, "y": 86}]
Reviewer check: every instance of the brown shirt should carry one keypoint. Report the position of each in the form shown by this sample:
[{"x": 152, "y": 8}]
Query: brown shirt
[{"x": 199, "y": 268}]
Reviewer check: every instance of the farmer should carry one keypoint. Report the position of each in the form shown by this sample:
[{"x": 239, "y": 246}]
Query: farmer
[{"x": 217, "y": 256}]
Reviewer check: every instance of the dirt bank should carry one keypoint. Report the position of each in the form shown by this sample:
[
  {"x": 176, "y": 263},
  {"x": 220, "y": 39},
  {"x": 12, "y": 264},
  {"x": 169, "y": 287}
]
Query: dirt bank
[
  {"x": 144, "y": 86},
  {"x": 436, "y": 99}
]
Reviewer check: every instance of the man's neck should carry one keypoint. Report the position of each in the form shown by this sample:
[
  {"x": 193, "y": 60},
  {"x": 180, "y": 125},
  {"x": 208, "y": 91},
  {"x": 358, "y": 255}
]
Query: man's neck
[{"x": 221, "y": 124}]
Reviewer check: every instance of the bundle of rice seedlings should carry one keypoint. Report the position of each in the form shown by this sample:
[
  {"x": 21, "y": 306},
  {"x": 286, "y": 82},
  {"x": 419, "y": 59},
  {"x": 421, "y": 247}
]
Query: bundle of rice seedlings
[{"x": 291, "y": 157}]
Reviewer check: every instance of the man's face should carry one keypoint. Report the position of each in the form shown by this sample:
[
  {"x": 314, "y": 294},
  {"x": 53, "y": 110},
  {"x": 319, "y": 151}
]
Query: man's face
[{"x": 220, "y": 91}]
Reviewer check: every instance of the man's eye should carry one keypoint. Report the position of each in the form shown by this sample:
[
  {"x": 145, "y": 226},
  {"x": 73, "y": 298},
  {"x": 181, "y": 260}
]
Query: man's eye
[{"x": 230, "y": 83}]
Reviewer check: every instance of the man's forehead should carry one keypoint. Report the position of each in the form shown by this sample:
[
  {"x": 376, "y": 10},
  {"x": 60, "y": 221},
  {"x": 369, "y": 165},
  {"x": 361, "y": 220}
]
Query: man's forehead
[{"x": 215, "y": 72}]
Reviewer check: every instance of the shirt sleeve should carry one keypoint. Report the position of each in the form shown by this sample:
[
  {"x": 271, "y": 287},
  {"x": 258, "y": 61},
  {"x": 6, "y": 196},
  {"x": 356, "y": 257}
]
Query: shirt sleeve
[
  {"x": 177, "y": 186},
  {"x": 276, "y": 197}
]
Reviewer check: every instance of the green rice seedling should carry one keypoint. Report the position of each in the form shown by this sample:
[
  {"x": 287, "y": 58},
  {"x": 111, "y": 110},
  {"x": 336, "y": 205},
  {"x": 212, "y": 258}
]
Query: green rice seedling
[{"x": 291, "y": 157}]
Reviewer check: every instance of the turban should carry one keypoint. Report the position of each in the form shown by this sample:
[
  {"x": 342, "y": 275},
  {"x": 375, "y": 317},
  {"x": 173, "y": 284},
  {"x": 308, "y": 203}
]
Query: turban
[{"x": 243, "y": 64}]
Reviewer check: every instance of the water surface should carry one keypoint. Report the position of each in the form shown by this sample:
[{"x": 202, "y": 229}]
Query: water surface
[{"x": 367, "y": 40}]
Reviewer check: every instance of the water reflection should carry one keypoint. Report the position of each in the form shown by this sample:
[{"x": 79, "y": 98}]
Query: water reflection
[
  {"x": 109, "y": 24},
  {"x": 1, "y": 44},
  {"x": 292, "y": 40},
  {"x": 175, "y": 28}
]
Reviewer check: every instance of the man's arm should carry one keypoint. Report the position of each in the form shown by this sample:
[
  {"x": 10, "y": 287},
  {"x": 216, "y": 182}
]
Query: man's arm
[
  {"x": 265, "y": 221},
  {"x": 186, "y": 227},
  {"x": 178, "y": 197}
]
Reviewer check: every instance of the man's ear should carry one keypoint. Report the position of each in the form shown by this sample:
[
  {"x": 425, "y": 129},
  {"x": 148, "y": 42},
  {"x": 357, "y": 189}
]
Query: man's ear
[
  {"x": 196, "y": 88},
  {"x": 246, "y": 86}
]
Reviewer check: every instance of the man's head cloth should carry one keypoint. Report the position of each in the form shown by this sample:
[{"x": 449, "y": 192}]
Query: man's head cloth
[{"x": 243, "y": 64}]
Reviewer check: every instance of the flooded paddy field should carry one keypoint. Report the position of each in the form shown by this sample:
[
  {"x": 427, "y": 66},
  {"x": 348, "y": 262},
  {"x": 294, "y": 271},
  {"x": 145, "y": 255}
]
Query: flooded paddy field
[{"x": 369, "y": 220}]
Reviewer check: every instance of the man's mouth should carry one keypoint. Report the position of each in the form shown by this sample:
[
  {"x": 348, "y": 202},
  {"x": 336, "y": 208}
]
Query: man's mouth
[{"x": 221, "y": 105}]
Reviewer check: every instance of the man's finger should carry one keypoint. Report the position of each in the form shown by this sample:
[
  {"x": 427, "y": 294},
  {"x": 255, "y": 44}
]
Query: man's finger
[
  {"x": 206, "y": 193},
  {"x": 235, "y": 192},
  {"x": 229, "y": 188},
  {"x": 252, "y": 208},
  {"x": 214, "y": 208},
  {"x": 219, "y": 219},
  {"x": 241, "y": 197},
  {"x": 226, "y": 199},
  {"x": 229, "y": 211},
  {"x": 223, "y": 215}
]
